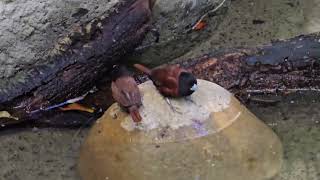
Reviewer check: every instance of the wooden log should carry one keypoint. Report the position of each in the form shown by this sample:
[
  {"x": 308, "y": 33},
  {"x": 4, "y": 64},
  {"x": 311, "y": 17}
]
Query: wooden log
[
  {"x": 77, "y": 60},
  {"x": 283, "y": 65}
]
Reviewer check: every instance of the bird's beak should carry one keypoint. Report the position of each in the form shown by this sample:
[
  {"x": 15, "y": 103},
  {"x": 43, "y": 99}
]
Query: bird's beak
[{"x": 194, "y": 87}]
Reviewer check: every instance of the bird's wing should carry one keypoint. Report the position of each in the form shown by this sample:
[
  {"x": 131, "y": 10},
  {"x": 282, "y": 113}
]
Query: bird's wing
[
  {"x": 171, "y": 82},
  {"x": 126, "y": 92},
  {"x": 167, "y": 91},
  {"x": 164, "y": 77}
]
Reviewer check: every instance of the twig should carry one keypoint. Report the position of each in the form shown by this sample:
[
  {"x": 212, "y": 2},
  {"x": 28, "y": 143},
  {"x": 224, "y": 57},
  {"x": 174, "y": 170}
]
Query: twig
[{"x": 70, "y": 101}]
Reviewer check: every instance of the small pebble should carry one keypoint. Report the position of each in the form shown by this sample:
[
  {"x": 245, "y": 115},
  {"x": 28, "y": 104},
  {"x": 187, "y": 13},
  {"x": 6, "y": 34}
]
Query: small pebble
[
  {"x": 35, "y": 129},
  {"x": 272, "y": 124}
]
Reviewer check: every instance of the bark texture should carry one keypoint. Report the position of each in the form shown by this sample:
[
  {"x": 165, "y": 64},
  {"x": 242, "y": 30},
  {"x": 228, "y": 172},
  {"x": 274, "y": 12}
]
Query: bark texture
[
  {"x": 279, "y": 66},
  {"x": 54, "y": 50}
]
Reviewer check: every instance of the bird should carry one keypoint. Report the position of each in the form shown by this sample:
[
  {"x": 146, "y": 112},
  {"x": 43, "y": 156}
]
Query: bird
[
  {"x": 171, "y": 80},
  {"x": 125, "y": 91}
]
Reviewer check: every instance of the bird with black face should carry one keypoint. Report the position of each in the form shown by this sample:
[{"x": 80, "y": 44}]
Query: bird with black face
[
  {"x": 125, "y": 91},
  {"x": 171, "y": 80}
]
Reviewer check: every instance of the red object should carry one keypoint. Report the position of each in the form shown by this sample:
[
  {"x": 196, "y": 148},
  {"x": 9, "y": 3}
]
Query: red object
[
  {"x": 77, "y": 107},
  {"x": 199, "y": 25},
  {"x": 171, "y": 80}
]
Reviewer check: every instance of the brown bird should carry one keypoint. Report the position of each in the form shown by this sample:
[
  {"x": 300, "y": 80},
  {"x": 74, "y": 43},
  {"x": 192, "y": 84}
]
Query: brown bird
[
  {"x": 125, "y": 91},
  {"x": 171, "y": 80}
]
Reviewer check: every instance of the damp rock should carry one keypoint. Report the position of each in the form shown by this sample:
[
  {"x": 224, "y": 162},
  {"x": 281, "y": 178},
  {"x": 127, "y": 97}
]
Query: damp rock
[
  {"x": 175, "y": 20},
  {"x": 209, "y": 135}
]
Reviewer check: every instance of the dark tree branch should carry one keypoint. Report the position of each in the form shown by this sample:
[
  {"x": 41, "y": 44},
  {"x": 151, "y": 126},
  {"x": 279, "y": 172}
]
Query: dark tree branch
[
  {"x": 279, "y": 66},
  {"x": 78, "y": 60}
]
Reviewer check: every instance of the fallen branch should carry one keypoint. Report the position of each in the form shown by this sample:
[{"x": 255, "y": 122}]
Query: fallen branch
[
  {"x": 77, "y": 61},
  {"x": 282, "y": 66}
]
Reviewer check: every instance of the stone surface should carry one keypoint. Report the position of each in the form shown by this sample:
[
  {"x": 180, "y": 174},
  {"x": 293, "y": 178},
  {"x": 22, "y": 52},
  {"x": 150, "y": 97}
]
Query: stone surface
[
  {"x": 28, "y": 28},
  {"x": 174, "y": 19},
  {"x": 236, "y": 25},
  {"x": 213, "y": 137},
  {"x": 181, "y": 112},
  {"x": 279, "y": 19}
]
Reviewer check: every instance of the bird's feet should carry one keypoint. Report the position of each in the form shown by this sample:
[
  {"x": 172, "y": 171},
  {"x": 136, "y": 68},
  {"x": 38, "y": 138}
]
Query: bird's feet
[
  {"x": 174, "y": 109},
  {"x": 189, "y": 99}
]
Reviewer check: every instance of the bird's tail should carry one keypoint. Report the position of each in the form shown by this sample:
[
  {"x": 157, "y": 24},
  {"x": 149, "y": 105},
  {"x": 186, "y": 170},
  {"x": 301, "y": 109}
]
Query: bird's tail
[
  {"x": 143, "y": 69},
  {"x": 134, "y": 113}
]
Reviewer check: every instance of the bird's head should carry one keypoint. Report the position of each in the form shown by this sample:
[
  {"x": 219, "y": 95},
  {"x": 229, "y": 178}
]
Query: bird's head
[
  {"x": 187, "y": 84},
  {"x": 119, "y": 71}
]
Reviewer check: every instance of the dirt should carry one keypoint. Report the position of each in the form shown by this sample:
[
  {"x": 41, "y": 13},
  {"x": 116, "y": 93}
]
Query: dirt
[{"x": 296, "y": 120}]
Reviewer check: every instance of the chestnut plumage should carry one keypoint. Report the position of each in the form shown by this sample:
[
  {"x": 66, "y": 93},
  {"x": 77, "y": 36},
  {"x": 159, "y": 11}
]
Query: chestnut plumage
[
  {"x": 171, "y": 80},
  {"x": 125, "y": 91}
]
